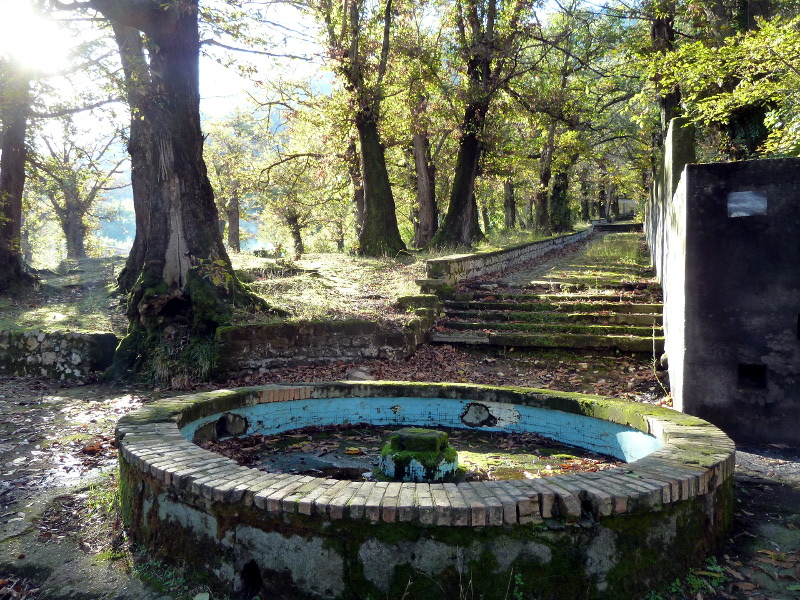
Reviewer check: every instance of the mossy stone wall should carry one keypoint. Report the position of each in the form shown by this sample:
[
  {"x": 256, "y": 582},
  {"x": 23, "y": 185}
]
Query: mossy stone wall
[{"x": 59, "y": 355}]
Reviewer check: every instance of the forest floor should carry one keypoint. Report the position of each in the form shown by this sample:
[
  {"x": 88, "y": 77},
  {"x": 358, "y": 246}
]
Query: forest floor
[{"x": 60, "y": 535}]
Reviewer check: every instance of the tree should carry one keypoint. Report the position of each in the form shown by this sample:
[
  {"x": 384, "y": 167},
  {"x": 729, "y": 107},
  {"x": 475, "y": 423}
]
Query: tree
[
  {"x": 73, "y": 178},
  {"x": 15, "y": 106},
  {"x": 744, "y": 85},
  {"x": 301, "y": 177},
  {"x": 185, "y": 287},
  {"x": 361, "y": 56},
  {"x": 488, "y": 39},
  {"x": 232, "y": 150}
]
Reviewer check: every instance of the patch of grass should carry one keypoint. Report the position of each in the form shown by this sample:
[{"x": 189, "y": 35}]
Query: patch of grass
[
  {"x": 77, "y": 297},
  {"x": 617, "y": 249},
  {"x": 179, "y": 582},
  {"x": 102, "y": 497},
  {"x": 698, "y": 582},
  {"x": 339, "y": 287},
  {"x": 497, "y": 240}
]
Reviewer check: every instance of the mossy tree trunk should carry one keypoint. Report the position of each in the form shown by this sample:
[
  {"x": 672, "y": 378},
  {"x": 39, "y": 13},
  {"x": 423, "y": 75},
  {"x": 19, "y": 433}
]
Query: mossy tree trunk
[
  {"x": 75, "y": 231},
  {"x": 232, "y": 212},
  {"x": 292, "y": 219},
  {"x": 137, "y": 86},
  {"x": 542, "y": 193},
  {"x": 560, "y": 213},
  {"x": 185, "y": 287},
  {"x": 509, "y": 205},
  {"x": 379, "y": 234},
  {"x": 662, "y": 38},
  {"x": 15, "y": 91},
  {"x": 460, "y": 225}
]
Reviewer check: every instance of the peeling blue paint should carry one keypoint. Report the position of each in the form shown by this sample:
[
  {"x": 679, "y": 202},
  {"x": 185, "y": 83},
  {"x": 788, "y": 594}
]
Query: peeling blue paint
[{"x": 597, "y": 435}]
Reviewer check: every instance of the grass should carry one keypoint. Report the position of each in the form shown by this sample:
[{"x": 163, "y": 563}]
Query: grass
[
  {"x": 705, "y": 580},
  {"x": 80, "y": 296}
]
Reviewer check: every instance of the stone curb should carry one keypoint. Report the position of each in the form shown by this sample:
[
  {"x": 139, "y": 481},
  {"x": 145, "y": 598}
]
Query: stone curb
[
  {"x": 452, "y": 269},
  {"x": 697, "y": 458}
]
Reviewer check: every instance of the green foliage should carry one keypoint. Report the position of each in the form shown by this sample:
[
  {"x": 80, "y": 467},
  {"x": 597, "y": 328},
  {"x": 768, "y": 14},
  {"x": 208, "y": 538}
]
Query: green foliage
[{"x": 696, "y": 583}]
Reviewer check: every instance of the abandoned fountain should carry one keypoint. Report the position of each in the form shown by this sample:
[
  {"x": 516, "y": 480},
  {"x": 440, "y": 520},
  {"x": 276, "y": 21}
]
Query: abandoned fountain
[{"x": 610, "y": 534}]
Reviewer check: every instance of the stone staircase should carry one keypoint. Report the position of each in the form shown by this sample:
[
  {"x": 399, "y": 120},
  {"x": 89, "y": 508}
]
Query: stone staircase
[{"x": 585, "y": 300}]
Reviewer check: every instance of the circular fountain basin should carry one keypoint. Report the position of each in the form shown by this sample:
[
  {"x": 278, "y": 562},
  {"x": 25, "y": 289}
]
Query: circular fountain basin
[{"x": 610, "y": 534}]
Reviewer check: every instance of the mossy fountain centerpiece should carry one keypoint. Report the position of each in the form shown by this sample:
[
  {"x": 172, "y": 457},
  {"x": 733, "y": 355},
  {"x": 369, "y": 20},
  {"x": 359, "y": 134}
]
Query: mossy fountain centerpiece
[{"x": 418, "y": 454}]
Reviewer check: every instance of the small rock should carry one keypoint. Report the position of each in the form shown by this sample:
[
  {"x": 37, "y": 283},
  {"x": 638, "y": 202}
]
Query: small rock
[{"x": 359, "y": 374}]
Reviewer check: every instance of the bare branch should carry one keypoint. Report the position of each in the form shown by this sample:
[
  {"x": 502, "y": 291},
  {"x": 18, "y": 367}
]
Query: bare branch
[
  {"x": 71, "y": 111},
  {"x": 210, "y": 42}
]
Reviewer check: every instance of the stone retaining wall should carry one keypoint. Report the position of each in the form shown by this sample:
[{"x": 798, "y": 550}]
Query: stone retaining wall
[
  {"x": 610, "y": 534},
  {"x": 59, "y": 355},
  {"x": 451, "y": 269},
  {"x": 249, "y": 349}
]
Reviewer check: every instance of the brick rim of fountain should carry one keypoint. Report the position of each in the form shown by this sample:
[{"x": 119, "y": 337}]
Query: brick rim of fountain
[{"x": 696, "y": 458}]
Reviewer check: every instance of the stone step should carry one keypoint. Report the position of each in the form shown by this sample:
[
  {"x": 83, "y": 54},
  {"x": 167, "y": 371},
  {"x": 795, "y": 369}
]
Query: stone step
[
  {"x": 639, "y": 320},
  {"x": 615, "y": 297},
  {"x": 587, "y": 282},
  {"x": 553, "y": 328},
  {"x": 648, "y": 345},
  {"x": 585, "y": 307}
]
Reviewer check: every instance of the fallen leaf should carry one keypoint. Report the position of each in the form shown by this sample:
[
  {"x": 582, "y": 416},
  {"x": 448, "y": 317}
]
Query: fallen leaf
[
  {"x": 735, "y": 574},
  {"x": 745, "y": 586}
]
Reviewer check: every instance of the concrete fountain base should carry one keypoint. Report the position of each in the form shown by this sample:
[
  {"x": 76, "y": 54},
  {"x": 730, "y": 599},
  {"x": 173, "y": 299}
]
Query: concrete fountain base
[{"x": 612, "y": 534}]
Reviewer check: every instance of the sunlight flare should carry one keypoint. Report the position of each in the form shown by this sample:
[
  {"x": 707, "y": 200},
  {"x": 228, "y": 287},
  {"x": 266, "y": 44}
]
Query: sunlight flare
[{"x": 31, "y": 39}]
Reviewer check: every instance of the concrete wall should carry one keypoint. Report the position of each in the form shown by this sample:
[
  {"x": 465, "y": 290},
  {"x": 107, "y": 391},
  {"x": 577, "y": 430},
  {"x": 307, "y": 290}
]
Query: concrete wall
[
  {"x": 731, "y": 269},
  {"x": 678, "y": 152}
]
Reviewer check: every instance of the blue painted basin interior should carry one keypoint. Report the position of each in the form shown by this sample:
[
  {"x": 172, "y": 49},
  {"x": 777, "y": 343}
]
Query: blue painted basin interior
[{"x": 621, "y": 442}]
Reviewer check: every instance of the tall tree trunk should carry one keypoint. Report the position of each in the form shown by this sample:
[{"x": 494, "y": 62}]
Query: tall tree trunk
[
  {"x": 662, "y": 36},
  {"x": 428, "y": 213},
  {"x": 75, "y": 235},
  {"x": 460, "y": 226},
  {"x": 339, "y": 235},
  {"x": 232, "y": 211},
  {"x": 140, "y": 145},
  {"x": 487, "y": 223},
  {"x": 560, "y": 213},
  {"x": 186, "y": 287},
  {"x": 545, "y": 174},
  {"x": 296, "y": 231},
  {"x": 509, "y": 205},
  {"x": 353, "y": 160},
  {"x": 585, "y": 216},
  {"x": 602, "y": 196},
  {"x": 530, "y": 211},
  {"x": 379, "y": 234},
  {"x": 16, "y": 92}
]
